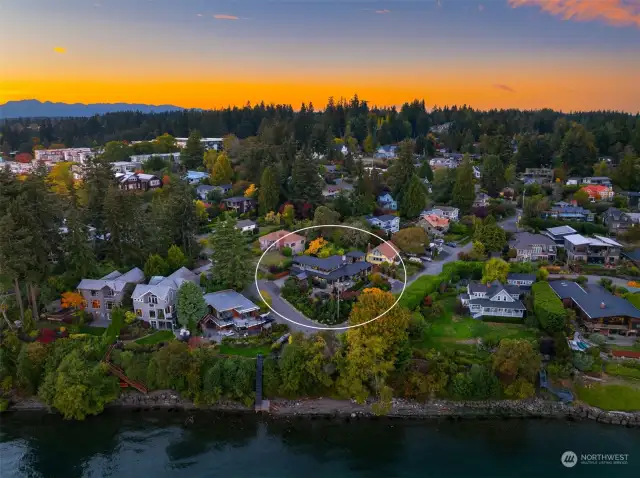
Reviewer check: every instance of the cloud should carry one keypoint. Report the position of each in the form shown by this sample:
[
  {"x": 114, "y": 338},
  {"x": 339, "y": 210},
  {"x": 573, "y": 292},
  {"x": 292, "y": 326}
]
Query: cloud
[
  {"x": 613, "y": 12},
  {"x": 220, "y": 16},
  {"x": 438, "y": 3},
  {"x": 504, "y": 88},
  {"x": 480, "y": 7},
  {"x": 383, "y": 12},
  {"x": 59, "y": 49},
  {"x": 199, "y": 15}
]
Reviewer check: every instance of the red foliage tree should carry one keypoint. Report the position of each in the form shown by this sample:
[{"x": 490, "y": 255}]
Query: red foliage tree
[{"x": 24, "y": 157}]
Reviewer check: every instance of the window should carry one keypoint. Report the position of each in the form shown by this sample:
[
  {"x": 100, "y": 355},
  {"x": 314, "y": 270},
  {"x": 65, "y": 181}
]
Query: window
[
  {"x": 94, "y": 293},
  {"x": 109, "y": 305},
  {"x": 139, "y": 312},
  {"x": 153, "y": 299},
  {"x": 152, "y": 314},
  {"x": 95, "y": 304},
  {"x": 168, "y": 309}
]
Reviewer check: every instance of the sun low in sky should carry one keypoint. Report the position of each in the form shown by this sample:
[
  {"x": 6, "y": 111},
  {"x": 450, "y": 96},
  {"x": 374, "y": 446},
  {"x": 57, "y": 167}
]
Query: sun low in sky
[{"x": 562, "y": 54}]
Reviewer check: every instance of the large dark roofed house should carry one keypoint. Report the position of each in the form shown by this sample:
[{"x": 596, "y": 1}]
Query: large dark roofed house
[
  {"x": 533, "y": 247},
  {"x": 331, "y": 269},
  {"x": 599, "y": 310}
]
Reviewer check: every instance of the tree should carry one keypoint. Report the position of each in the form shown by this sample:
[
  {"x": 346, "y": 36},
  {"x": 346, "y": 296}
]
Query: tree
[
  {"x": 369, "y": 144},
  {"x": 192, "y": 154},
  {"x": 411, "y": 239},
  {"x": 628, "y": 172},
  {"x": 116, "y": 151},
  {"x": 72, "y": 300},
  {"x": 30, "y": 366},
  {"x": 463, "y": 193},
  {"x": 516, "y": 359},
  {"x": 79, "y": 255},
  {"x": 315, "y": 246},
  {"x": 155, "y": 266},
  {"x": 581, "y": 197},
  {"x": 60, "y": 178},
  {"x": 232, "y": 265},
  {"x": 222, "y": 171},
  {"x": 495, "y": 269},
  {"x": 209, "y": 160},
  {"x": 510, "y": 174},
  {"x": 176, "y": 258},
  {"x": 425, "y": 171},
  {"x": 402, "y": 170},
  {"x": 269, "y": 192},
  {"x": 288, "y": 214},
  {"x": 412, "y": 203},
  {"x": 190, "y": 305},
  {"x": 493, "y": 175},
  {"x": 325, "y": 216},
  {"x": 306, "y": 184},
  {"x": 444, "y": 181},
  {"x": 164, "y": 144},
  {"x": 251, "y": 191},
  {"x": 490, "y": 234},
  {"x": 578, "y": 151}
]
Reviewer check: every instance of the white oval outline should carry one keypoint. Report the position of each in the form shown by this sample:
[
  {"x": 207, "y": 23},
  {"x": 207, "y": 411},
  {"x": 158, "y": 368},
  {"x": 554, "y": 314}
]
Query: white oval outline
[{"x": 330, "y": 328}]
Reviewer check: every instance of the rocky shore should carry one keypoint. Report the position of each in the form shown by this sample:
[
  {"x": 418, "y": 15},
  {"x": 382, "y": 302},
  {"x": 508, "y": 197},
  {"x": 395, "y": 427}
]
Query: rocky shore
[{"x": 401, "y": 409}]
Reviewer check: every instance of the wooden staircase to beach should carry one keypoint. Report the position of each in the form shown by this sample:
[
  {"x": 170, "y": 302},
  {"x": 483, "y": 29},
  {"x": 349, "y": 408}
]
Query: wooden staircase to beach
[{"x": 118, "y": 372}]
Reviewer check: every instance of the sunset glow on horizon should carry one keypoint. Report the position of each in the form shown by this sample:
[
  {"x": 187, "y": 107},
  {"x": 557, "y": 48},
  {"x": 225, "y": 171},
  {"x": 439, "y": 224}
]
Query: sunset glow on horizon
[{"x": 561, "y": 54}]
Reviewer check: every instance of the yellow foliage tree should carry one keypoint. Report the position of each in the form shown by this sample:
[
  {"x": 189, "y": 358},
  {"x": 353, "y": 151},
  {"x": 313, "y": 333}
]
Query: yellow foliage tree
[
  {"x": 60, "y": 178},
  {"x": 209, "y": 160},
  {"x": 72, "y": 300},
  {"x": 201, "y": 212},
  {"x": 251, "y": 191},
  {"x": 316, "y": 245}
]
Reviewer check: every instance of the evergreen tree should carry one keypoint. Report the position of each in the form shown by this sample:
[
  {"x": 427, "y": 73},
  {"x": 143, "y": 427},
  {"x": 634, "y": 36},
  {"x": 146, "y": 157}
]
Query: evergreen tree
[
  {"x": 192, "y": 154},
  {"x": 222, "y": 171},
  {"x": 306, "y": 183},
  {"x": 578, "y": 152},
  {"x": 493, "y": 178},
  {"x": 176, "y": 258},
  {"x": 231, "y": 258},
  {"x": 402, "y": 170},
  {"x": 155, "y": 266},
  {"x": 79, "y": 256},
  {"x": 190, "y": 305},
  {"x": 425, "y": 171},
  {"x": 414, "y": 200},
  {"x": 269, "y": 193},
  {"x": 463, "y": 190}
]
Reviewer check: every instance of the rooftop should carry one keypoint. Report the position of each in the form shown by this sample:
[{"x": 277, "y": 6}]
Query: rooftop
[
  {"x": 561, "y": 231},
  {"x": 594, "y": 301},
  {"x": 523, "y": 240},
  {"x": 229, "y": 300},
  {"x": 388, "y": 249},
  {"x": 384, "y": 217},
  {"x": 278, "y": 235},
  {"x": 245, "y": 223}
]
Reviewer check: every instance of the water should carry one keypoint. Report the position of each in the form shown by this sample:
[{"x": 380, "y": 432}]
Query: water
[{"x": 156, "y": 445}]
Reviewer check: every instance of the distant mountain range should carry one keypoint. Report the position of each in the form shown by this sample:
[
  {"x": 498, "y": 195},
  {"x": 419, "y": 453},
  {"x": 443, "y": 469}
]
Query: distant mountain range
[{"x": 38, "y": 109}]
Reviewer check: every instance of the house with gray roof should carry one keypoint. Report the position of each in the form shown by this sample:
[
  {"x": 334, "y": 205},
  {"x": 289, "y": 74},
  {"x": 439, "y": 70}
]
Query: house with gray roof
[
  {"x": 557, "y": 234},
  {"x": 592, "y": 250},
  {"x": 155, "y": 302},
  {"x": 387, "y": 222},
  {"x": 102, "y": 295},
  {"x": 232, "y": 313},
  {"x": 204, "y": 190},
  {"x": 619, "y": 222},
  {"x": 493, "y": 299},
  {"x": 598, "y": 310},
  {"x": 533, "y": 247},
  {"x": 138, "y": 181},
  {"x": 332, "y": 269},
  {"x": 246, "y": 225},
  {"x": 524, "y": 281}
]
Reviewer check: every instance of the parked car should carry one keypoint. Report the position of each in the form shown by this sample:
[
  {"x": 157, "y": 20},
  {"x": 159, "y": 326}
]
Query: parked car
[
  {"x": 438, "y": 241},
  {"x": 415, "y": 259},
  {"x": 452, "y": 244}
]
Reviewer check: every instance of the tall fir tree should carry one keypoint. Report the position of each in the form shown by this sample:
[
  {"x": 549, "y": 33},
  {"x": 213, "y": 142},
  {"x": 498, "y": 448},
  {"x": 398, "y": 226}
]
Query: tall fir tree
[
  {"x": 192, "y": 155},
  {"x": 269, "y": 192},
  {"x": 231, "y": 258},
  {"x": 463, "y": 190},
  {"x": 402, "y": 169},
  {"x": 306, "y": 183},
  {"x": 414, "y": 200},
  {"x": 493, "y": 178}
]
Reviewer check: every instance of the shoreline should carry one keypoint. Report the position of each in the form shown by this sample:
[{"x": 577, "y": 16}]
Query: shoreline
[{"x": 401, "y": 409}]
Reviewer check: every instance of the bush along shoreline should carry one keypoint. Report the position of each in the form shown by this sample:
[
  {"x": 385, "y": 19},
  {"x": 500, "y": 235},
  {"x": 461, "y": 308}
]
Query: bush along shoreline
[{"x": 400, "y": 408}]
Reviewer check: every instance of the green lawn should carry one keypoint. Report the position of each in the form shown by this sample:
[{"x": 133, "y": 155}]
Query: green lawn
[
  {"x": 245, "y": 351},
  {"x": 445, "y": 331},
  {"x": 156, "y": 338},
  {"x": 87, "y": 329},
  {"x": 611, "y": 397},
  {"x": 272, "y": 258},
  {"x": 620, "y": 370}
]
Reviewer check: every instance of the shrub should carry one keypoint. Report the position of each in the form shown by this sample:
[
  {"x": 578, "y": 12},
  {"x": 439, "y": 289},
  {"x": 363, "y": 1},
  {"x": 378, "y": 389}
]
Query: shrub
[
  {"x": 598, "y": 339},
  {"x": 548, "y": 307},
  {"x": 582, "y": 280},
  {"x": 582, "y": 361},
  {"x": 286, "y": 252}
]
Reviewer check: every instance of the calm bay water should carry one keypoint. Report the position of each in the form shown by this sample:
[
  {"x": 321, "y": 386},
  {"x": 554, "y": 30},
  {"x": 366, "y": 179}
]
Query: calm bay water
[{"x": 167, "y": 444}]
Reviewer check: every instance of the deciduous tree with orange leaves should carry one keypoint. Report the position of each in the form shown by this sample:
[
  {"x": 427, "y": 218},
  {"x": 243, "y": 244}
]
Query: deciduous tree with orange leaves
[
  {"x": 72, "y": 300},
  {"x": 316, "y": 245}
]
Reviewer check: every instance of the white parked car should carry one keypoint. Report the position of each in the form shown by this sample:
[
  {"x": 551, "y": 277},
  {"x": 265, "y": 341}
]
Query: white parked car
[{"x": 415, "y": 259}]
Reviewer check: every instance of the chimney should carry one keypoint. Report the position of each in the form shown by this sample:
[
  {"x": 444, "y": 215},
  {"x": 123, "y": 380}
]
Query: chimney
[{"x": 602, "y": 305}]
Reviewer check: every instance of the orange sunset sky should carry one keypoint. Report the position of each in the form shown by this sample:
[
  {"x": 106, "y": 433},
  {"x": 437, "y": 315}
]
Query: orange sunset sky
[{"x": 563, "y": 54}]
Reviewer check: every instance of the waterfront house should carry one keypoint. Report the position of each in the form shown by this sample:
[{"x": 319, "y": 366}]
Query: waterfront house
[
  {"x": 386, "y": 201},
  {"x": 294, "y": 241},
  {"x": 155, "y": 302},
  {"x": 102, "y": 295},
  {"x": 138, "y": 181},
  {"x": 434, "y": 224},
  {"x": 387, "y": 222},
  {"x": 384, "y": 253},
  {"x": 593, "y": 250},
  {"x": 597, "y": 309},
  {"x": 331, "y": 269},
  {"x": 533, "y": 247},
  {"x": 493, "y": 300},
  {"x": 240, "y": 204},
  {"x": 232, "y": 313}
]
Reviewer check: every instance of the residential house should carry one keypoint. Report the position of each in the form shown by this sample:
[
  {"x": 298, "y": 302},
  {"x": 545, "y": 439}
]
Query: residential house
[
  {"x": 476, "y": 172},
  {"x": 240, "y": 204},
  {"x": 634, "y": 200},
  {"x": 557, "y": 234},
  {"x": 138, "y": 181},
  {"x": 449, "y": 212},
  {"x": 434, "y": 224},
  {"x": 438, "y": 163},
  {"x": 619, "y": 222},
  {"x": 539, "y": 175},
  {"x": 102, "y": 295},
  {"x": 293, "y": 241},
  {"x": 232, "y": 313},
  {"x": 386, "y": 252},
  {"x": 387, "y": 222},
  {"x": 208, "y": 143},
  {"x": 386, "y": 201},
  {"x": 204, "y": 190},
  {"x": 125, "y": 167},
  {"x": 533, "y": 247},
  {"x": 331, "y": 269},
  {"x": 593, "y": 250},
  {"x": 330, "y": 191},
  {"x": 573, "y": 181},
  {"x": 597, "y": 309},
  {"x": 341, "y": 148},
  {"x": 195, "y": 177},
  {"x": 74, "y": 155},
  {"x": 598, "y": 192},
  {"x": 175, "y": 157},
  {"x": 566, "y": 212},
  {"x": 156, "y": 301},
  {"x": 481, "y": 200},
  {"x": 386, "y": 152},
  {"x": 597, "y": 180},
  {"x": 493, "y": 300},
  {"x": 524, "y": 281},
  {"x": 246, "y": 225}
]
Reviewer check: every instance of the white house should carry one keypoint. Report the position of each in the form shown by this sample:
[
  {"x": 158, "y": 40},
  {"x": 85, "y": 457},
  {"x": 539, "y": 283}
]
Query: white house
[
  {"x": 493, "y": 299},
  {"x": 388, "y": 223},
  {"x": 246, "y": 225},
  {"x": 195, "y": 177},
  {"x": 155, "y": 302},
  {"x": 449, "y": 212},
  {"x": 102, "y": 295},
  {"x": 145, "y": 157},
  {"x": 386, "y": 201},
  {"x": 476, "y": 172},
  {"x": 125, "y": 167}
]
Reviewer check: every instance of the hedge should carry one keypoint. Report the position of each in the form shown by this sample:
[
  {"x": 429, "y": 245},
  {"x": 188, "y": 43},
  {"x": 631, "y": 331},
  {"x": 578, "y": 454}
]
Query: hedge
[
  {"x": 502, "y": 320},
  {"x": 548, "y": 307}
]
